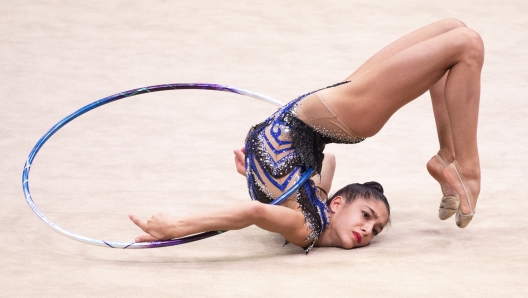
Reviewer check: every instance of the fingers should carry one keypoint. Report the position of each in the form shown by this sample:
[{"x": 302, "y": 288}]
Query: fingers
[
  {"x": 239, "y": 155},
  {"x": 239, "y": 158},
  {"x": 240, "y": 151},
  {"x": 143, "y": 225},
  {"x": 146, "y": 238},
  {"x": 240, "y": 163},
  {"x": 138, "y": 222}
]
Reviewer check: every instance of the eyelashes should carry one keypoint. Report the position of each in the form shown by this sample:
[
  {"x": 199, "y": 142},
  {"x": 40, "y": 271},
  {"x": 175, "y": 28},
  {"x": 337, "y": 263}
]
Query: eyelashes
[{"x": 367, "y": 216}]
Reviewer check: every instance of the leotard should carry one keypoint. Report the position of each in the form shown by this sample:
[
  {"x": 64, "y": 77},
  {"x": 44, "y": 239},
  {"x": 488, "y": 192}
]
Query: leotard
[{"x": 281, "y": 148}]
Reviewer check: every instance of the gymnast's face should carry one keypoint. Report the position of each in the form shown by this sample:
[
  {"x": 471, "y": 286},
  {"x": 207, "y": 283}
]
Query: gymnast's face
[{"x": 355, "y": 224}]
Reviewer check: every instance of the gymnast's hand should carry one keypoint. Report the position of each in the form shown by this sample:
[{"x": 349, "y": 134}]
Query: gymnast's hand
[
  {"x": 158, "y": 227},
  {"x": 240, "y": 161}
]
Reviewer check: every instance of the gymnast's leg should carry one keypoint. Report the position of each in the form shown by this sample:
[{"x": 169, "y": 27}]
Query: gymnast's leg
[
  {"x": 447, "y": 151},
  {"x": 407, "y": 41},
  {"x": 378, "y": 90},
  {"x": 446, "y": 154},
  {"x": 443, "y": 126}
]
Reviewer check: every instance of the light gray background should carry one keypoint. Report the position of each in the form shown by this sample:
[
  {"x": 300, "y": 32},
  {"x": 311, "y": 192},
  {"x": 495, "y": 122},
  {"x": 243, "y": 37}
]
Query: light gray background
[{"x": 172, "y": 151}]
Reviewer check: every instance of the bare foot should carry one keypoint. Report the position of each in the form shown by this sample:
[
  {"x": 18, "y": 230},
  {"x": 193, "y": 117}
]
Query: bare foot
[{"x": 467, "y": 186}]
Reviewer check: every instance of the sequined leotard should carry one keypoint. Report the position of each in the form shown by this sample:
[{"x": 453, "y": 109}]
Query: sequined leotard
[{"x": 280, "y": 149}]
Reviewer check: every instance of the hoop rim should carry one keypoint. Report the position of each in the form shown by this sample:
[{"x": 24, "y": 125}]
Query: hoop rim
[{"x": 133, "y": 245}]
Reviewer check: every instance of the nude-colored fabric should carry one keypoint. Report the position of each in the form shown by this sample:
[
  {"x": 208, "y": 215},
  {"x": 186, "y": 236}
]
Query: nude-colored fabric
[
  {"x": 172, "y": 151},
  {"x": 314, "y": 111}
]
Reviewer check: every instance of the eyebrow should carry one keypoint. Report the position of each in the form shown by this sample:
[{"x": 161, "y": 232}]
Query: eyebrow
[
  {"x": 373, "y": 212},
  {"x": 375, "y": 217}
]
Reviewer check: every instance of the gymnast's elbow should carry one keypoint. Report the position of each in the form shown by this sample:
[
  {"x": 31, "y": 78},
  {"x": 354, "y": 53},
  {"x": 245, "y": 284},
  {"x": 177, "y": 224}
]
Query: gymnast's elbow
[
  {"x": 255, "y": 211},
  {"x": 276, "y": 219},
  {"x": 243, "y": 215},
  {"x": 262, "y": 215}
]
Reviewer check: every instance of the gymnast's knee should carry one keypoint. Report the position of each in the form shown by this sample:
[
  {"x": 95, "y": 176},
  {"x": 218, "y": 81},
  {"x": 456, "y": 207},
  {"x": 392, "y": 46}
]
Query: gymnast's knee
[
  {"x": 452, "y": 23},
  {"x": 473, "y": 46}
]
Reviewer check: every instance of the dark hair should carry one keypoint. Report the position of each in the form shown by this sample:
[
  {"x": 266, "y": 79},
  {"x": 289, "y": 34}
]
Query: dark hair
[{"x": 368, "y": 190}]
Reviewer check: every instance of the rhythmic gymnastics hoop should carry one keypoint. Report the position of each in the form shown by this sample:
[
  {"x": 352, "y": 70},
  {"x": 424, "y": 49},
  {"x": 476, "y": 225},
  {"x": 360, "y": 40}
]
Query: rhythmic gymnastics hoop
[{"x": 129, "y": 93}]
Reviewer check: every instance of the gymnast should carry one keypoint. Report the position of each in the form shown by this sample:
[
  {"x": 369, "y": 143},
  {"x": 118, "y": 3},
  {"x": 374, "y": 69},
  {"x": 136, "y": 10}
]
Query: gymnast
[{"x": 444, "y": 58}]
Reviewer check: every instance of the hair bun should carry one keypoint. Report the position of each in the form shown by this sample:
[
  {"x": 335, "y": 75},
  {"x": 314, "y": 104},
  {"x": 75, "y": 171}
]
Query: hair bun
[{"x": 375, "y": 185}]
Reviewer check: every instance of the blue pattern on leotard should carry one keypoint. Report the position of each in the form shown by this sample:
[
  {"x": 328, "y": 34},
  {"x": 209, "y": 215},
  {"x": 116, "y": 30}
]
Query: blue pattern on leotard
[{"x": 269, "y": 174}]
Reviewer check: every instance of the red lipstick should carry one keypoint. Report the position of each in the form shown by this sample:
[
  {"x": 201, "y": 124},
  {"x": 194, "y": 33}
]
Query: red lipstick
[{"x": 357, "y": 237}]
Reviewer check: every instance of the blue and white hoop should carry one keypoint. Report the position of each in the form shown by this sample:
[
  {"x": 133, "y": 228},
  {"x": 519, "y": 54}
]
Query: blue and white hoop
[{"x": 109, "y": 99}]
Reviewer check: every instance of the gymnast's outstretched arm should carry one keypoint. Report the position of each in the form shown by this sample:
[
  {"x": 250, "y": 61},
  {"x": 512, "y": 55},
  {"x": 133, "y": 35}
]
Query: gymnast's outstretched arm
[{"x": 285, "y": 221}]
